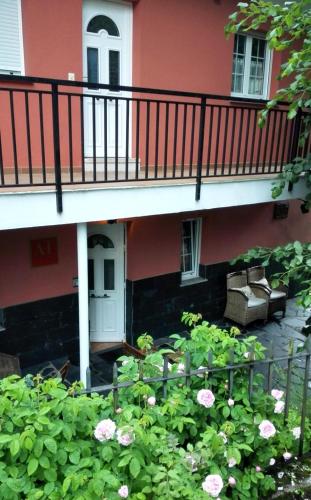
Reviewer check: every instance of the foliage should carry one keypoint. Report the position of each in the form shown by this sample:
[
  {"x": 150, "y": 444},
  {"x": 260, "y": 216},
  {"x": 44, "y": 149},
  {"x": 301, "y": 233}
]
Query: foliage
[
  {"x": 296, "y": 261},
  {"x": 288, "y": 28},
  {"x": 48, "y": 448},
  {"x": 145, "y": 342}
]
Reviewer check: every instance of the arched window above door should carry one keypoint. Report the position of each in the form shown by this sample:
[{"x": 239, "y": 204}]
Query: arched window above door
[
  {"x": 101, "y": 22},
  {"x": 99, "y": 239}
]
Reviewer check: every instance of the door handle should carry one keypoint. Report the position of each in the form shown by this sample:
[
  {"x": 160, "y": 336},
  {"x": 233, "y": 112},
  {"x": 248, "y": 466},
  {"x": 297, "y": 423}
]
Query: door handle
[{"x": 105, "y": 296}]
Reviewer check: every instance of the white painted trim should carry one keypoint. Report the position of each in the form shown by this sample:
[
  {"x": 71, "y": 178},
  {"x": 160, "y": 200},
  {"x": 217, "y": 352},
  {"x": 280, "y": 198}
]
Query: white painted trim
[
  {"x": 33, "y": 209},
  {"x": 20, "y": 18},
  {"x": 196, "y": 257},
  {"x": 84, "y": 342}
]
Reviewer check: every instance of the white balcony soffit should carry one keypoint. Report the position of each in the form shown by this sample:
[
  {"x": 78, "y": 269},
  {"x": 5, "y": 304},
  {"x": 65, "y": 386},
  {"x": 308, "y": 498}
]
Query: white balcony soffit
[{"x": 38, "y": 208}]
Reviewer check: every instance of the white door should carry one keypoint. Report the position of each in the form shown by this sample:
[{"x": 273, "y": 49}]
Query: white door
[
  {"x": 106, "y": 283},
  {"x": 106, "y": 59}
]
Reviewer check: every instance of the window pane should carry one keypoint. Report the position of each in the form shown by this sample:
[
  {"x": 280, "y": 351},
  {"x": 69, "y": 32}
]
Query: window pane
[
  {"x": 257, "y": 67},
  {"x": 91, "y": 274},
  {"x": 187, "y": 263},
  {"x": 262, "y": 48},
  {"x": 241, "y": 43},
  {"x": 109, "y": 274},
  {"x": 92, "y": 65},
  {"x": 114, "y": 67},
  {"x": 99, "y": 23},
  {"x": 238, "y": 63}
]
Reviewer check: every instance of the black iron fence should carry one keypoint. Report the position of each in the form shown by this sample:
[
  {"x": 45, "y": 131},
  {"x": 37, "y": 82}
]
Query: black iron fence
[
  {"x": 59, "y": 132},
  {"x": 266, "y": 366}
]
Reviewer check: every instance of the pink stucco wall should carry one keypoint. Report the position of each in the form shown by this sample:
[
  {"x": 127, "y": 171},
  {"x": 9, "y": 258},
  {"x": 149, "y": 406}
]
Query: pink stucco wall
[
  {"x": 20, "y": 282},
  {"x": 52, "y": 32},
  {"x": 180, "y": 44},
  {"x": 153, "y": 246}
]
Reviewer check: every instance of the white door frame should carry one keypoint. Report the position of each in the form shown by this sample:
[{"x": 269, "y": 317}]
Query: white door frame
[{"x": 116, "y": 231}]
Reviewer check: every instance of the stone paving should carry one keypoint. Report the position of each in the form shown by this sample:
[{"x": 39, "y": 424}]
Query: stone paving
[{"x": 280, "y": 331}]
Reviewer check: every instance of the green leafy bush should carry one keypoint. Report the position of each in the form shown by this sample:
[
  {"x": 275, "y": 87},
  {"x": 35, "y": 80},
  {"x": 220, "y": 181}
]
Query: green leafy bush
[{"x": 57, "y": 443}]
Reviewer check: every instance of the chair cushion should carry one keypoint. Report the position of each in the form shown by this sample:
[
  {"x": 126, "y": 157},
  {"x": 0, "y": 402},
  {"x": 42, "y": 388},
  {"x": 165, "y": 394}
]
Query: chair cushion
[
  {"x": 277, "y": 294},
  {"x": 263, "y": 282},
  {"x": 246, "y": 290},
  {"x": 255, "y": 302}
]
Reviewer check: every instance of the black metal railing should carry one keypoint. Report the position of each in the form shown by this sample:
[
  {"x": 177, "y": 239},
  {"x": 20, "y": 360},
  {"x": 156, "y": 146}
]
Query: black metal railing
[
  {"x": 59, "y": 132},
  {"x": 295, "y": 365}
]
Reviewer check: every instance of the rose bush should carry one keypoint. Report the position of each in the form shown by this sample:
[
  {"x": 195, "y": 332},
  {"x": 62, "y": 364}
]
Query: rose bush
[{"x": 202, "y": 441}]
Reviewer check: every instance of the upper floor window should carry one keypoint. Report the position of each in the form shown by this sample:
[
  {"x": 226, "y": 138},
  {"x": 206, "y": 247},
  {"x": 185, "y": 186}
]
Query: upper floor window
[
  {"x": 11, "y": 40},
  {"x": 250, "y": 70},
  {"x": 190, "y": 248}
]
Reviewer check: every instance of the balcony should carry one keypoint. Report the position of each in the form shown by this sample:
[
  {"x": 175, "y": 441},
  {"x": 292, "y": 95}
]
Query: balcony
[{"x": 57, "y": 134}]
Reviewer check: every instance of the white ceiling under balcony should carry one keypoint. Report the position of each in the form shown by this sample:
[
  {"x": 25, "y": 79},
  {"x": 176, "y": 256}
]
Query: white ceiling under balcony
[{"x": 20, "y": 209}]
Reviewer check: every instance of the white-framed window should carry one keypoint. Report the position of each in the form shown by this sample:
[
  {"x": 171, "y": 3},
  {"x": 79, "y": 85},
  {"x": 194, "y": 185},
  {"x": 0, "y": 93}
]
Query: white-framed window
[
  {"x": 251, "y": 66},
  {"x": 190, "y": 248},
  {"x": 11, "y": 38}
]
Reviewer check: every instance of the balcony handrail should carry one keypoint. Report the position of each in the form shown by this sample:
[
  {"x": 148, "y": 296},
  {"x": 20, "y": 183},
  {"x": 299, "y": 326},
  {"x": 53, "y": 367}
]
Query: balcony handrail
[
  {"x": 51, "y": 134},
  {"x": 127, "y": 88}
]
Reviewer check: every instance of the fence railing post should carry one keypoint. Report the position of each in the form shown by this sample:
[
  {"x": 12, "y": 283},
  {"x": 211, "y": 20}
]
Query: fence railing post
[
  {"x": 200, "y": 148},
  {"x": 56, "y": 148},
  {"x": 295, "y": 141},
  {"x": 304, "y": 399}
]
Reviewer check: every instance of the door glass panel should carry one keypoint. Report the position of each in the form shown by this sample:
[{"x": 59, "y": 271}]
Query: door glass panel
[
  {"x": 92, "y": 65},
  {"x": 109, "y": 274},
  {"x": 91, "y": 274},
  {"x": 114, "y": 67}
]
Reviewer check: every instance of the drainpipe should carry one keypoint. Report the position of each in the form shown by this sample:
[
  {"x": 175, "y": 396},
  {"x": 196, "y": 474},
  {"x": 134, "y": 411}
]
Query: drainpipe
[{"x": 83, "y": 301}]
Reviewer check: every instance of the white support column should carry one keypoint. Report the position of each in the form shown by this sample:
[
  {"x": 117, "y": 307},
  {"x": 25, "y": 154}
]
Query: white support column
[{"x": 83, "y": 300}]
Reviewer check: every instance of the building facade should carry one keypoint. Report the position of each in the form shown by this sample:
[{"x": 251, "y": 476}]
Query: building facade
[{"x": 121, "y": 203}]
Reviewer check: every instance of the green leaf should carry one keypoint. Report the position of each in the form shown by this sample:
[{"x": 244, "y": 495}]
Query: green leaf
[
  {"x": 50, "y": 475},
  {"x": 32, "y": 466},
  {"x": 226, "y": 411},
  {"x": 44, "y": 462},
  {"x": 66, "y": 484},
  {"x": 134, "y": 467},
  {"x": 50, "y": 445},
  {"x": 14, "y": 447},
  {"x": 74, "y": 457},
  {"x": 38, "y": 448},
  {"x": 49, "y": 488},
  {"x": 5, "y": 438}
]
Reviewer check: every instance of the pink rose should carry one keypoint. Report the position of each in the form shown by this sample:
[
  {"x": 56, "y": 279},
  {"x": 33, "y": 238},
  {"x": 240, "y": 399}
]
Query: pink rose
[
  {"x": 230, "y": 402},
  {"x": 267, "y": 429},
  {"x": 231, "y": 462},
  {"x": 276, "y": 394},
  {"x": 258, "y": 468},
  {"x": 206, "y": 398},
  {"x": 180, "y": 368},
  {"x": 223, "y": 436},
  {"x": 105, "y": 430},
  {"x": 213, "y": 485},
  {"x": 232, "y": 481},
  {"x": 279, "y": 407},
  {"x": 151, "y": 401},
  {"x": 296, "y": 432},
  {"x": 123, "y": 491},
  {"x": 125, "y": 436},
  {"x": 287, "y": 455}
]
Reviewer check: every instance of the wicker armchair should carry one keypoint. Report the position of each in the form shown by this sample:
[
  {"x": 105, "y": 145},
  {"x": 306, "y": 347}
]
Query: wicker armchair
[
  {"x": 277, "y": 297},
  {"x": 245, "y": 303},
  {"x": 9, "y": 365}
]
